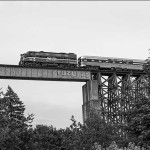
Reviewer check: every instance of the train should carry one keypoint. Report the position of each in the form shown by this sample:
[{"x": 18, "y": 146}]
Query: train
[
  {"x": 70, "y": 60},
  {"x": 48, "y": 59}
]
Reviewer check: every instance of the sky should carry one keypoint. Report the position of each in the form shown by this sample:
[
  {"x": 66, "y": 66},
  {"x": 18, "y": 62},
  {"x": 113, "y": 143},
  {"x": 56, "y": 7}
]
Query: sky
[{"x": 94, "y": 28}]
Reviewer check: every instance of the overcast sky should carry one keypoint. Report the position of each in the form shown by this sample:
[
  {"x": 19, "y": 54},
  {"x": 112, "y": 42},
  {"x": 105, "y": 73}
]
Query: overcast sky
[{"x": 99, "y": 28}]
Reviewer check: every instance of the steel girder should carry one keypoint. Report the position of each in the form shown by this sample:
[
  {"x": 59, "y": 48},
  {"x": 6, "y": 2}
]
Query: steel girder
[{"x": 118, "y": 93}]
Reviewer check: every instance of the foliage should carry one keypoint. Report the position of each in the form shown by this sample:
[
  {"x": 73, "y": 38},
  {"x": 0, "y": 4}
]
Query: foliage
[
  {"x": 47, "y": 137},
  {"x": 101, "y": 131},
  {"x": 138, "y": 119},
  {"x": 75, "y": 137},
  {"x": 95, "y": 130},
  {"x": 16, "y": 131},
  {"x": 13, "y": 121}
]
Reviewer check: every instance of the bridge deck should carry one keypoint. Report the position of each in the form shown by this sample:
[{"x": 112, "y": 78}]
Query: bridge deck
[{"x": 57, "y": 74}]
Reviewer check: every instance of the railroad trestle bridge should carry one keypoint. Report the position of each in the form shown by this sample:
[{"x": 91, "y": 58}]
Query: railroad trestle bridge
[{"x": 108, "y": 92}]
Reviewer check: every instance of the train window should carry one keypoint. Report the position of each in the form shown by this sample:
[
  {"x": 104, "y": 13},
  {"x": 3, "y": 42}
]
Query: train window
[{"x": 138, "y": 62}]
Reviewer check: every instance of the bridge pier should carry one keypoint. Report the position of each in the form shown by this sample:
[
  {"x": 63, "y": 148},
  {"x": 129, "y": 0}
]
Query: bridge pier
[{"x": 90, "y": 98}]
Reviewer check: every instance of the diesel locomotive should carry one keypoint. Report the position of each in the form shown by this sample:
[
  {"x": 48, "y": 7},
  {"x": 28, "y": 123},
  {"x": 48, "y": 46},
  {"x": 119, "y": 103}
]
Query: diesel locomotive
[
  {"x": 48, "y": 59},
  {"x": 70, "y": 60}
]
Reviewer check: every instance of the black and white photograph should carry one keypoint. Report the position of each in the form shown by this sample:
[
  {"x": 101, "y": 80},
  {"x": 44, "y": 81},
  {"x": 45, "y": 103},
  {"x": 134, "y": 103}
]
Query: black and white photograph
[{"x": 74, "y": 75}]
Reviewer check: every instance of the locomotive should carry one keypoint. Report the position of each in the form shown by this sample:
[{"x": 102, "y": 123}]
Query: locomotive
[
  {"x": 48, "y": 59},
  {"x": 69, "y": 60}
]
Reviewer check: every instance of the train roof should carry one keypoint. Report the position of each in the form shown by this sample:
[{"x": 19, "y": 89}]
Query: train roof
[
  {"x": 106, "y": 58},
  {"x": 49, "y": 52}
]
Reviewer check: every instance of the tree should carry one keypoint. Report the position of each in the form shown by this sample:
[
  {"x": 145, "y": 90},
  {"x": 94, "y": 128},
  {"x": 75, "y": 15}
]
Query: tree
[
  {"x": 100, "y": 131},
  {"x": 13, "y": 120},
  {"x": 138, "y": 122},
  {"x": 138, "y": 118},
  {"x": 95, "y": 130},
  {"x": 47, "y": 137}
]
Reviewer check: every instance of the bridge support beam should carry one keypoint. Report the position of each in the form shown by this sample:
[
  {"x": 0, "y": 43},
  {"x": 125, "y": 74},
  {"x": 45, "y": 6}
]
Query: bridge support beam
[{"x": 90, "y": 99}]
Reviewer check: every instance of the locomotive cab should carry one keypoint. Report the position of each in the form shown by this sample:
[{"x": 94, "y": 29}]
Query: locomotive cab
[{"x": 27, "y": 58}]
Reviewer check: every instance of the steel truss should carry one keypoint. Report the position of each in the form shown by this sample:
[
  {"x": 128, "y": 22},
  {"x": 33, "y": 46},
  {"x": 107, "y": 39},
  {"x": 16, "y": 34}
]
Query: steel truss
[{"x": 118, "y": 93}]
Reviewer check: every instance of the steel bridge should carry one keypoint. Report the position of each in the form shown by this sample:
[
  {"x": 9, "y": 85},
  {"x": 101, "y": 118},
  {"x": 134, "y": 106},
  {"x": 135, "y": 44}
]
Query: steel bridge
[{"x": 107, "y": 92}]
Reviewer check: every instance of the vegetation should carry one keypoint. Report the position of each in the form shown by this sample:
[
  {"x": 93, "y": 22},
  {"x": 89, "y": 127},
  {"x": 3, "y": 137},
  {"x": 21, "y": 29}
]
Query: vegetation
[
  {"x": 12, "y": 120},
  {"x": 138, "y": 119},
  {"x": 17, "y": 133}
]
